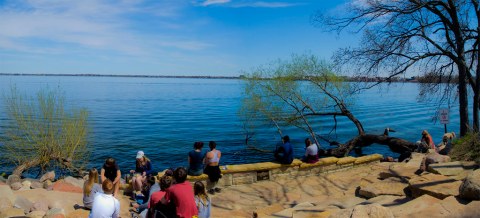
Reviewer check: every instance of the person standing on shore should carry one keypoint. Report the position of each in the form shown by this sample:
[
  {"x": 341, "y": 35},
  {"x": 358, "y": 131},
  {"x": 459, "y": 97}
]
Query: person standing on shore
[
  {"x": 111, "y": 171},
  {"x": 284, "y": 153},
  {"x": 195, "y": 160},
  {"x": 212, "y": 160},
  {"x": 104, "y": 204}
]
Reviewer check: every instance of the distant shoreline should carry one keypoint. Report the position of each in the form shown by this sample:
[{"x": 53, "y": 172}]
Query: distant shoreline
[{"x": 117, "y": 75}]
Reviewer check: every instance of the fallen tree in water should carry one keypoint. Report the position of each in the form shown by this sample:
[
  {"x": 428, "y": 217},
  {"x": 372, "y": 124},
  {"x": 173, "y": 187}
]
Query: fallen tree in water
[{"x": 298, "y": 93}]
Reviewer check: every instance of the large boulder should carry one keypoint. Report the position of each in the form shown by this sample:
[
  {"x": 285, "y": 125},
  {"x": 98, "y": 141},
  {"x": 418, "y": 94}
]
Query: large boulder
[
  {"x": 433, "y": 157},
  {"x": 66, "y": 187},
  {"x": 399, "y": 170},
  {"x": 470, "y": 187},
  {"x": 13, "y": 179},
  {"x": 23, "y": 203},
  {"x": 6, "y": 192},
  {"x": 74, "y": 181},
  {"x": 40, "y": 206},
  {"x": 369, "y": 210},
  {"x": 389, "y": 186},
  {"x": 26, "y": 185},
  {"x": 36, "y": 184},
  {"x": 48, "y": 176},
  {"x": 16, "y": 186},
  {"x": 12, "y": 212},
  {"x": 55, "y": 213},
  {"x": 434, "y": 185}
]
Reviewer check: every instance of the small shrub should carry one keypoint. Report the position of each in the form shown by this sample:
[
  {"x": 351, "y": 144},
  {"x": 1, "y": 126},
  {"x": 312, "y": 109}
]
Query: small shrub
[{"x": 467, "y": 148}]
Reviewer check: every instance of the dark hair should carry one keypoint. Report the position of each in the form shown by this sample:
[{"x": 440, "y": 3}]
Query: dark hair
[
  {"x": 110, "y": 162},
  {"x": 199, "y": 188},
  {"x": 180, "y": 175},
  {"x": 198, "y": 145},
  {"x": 286, "y": 138},
  {"x": 212, "y": 145},
  {"x": 165, "y": 182},
  {"x": 307, "y": 142},
  {"x": 151, "y": 180},
  {"x": 107, "y": 186}
]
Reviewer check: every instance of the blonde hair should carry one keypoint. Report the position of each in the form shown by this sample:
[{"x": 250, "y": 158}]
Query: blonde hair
[
  {"x": 145, "y": 158},
  {"x": 92, "y": 179}
]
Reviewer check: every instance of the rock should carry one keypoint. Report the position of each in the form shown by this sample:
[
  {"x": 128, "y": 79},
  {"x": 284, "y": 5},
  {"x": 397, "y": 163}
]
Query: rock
[
  {"x": 455, "y": 168},
  {"x": 66, "y": 187},
  {"x": 470, "y": 187},
  {"x": 12, "y": 212},
  {"x": 399, "y": 170},
  {"x": 78, "y": 214},
  {"x": 74, "y": 181},
  {"x": 389, "y": 186},
  {"x": 411, "y": 207},
  {"x": 416, "y": 160},
  {"x": 470, "y": 210},
  {"x": 16, "y": 186},
  {"x": 432, "y": 158},
  {"x": 37, "y": 214},
  {"x": 6, "y": 192},
  {"x": 48, "y": 176},
  {"x": 303, "y": 205},
  {"x": 13, "y": 179},
  {"x": 26, "y": 185},
  {"x": 36, "y": 184},
  {"x": 23, "y": 203},
  {"x": 369, "y": 210},
  {"x": 47, "y": 184},
  {"x": 5, "y": 203},
  {"x": 448, "y": 207},
  {"x": 40, "y": 206},
  {"x": 388, "y": 200},
  {"x": 55, "y": 213},
  {"x": 434, "y": 185}
]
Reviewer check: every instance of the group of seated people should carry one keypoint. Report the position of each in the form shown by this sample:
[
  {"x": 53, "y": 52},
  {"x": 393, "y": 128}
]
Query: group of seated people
[
  {"x": 171, "y": 196},
  {"x": 426, "y": 143},
  {"x": 284, "y": 151},
  {"x": 208, "y": 163}
]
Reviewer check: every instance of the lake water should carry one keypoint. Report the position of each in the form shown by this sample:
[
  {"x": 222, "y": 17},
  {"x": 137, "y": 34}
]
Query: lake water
[{"x": 165, "y": 116}]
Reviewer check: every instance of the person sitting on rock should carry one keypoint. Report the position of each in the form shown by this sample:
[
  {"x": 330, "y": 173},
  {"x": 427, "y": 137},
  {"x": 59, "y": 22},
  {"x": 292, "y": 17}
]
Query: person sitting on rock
[
  {"x": 155, "y": 207},
  {"x": 143, "y": 168},
  {"x": 425, "y": 143},
  {"x": 90, "y": 188},
  {"x": 311, "y": 152},
  {"x": 181, "y": 195},
  {"x": 445, "y": 146},
  {"x": 104, "y": 204},
  {"x": 284, "y": 153},
  {"x": 111, "y": 171},
  {"x": 195, "y": 160},
  {"x": 212, "y": 160},
  {"x": 142, "y": 203}
]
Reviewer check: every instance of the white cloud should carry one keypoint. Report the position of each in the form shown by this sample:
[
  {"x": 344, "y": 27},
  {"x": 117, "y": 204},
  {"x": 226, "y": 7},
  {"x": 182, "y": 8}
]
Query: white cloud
[
  {"x": 214, "y": 2},
  {"x": 58, "y": 25}
]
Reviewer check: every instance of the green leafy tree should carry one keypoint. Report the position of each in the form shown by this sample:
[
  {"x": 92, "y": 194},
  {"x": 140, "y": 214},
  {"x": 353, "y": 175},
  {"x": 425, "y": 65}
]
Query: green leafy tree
[{"x": 41, "y": 133}]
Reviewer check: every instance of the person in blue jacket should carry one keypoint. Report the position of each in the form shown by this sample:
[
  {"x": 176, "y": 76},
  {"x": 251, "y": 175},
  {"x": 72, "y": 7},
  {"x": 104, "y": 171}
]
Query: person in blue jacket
[
  {"x": 143, "y": 168},
  {"x": 284, "y": 152}
]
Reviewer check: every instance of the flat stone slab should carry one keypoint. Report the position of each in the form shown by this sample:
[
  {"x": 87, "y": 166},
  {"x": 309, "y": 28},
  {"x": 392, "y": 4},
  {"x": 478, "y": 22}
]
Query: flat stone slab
[
  {"x": 455, "y": 168},
  {"x": 438, "y": 186},
  {"x": 448, "y": 207},
  {"x": 388, "y": 200},
  {"x": 389, "y": 186},
  {"x": 411, "y": 207}
]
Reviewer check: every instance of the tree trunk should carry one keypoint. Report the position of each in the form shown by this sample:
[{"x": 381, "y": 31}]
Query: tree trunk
[
  {"x": 25, "y": 166},
  {"x": 463, "y": 99},
  {"x": 396, "y": 145}
]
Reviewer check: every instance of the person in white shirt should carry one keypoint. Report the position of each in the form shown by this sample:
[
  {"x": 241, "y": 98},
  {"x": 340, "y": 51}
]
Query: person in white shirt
[{"x": 104, "y": 204}]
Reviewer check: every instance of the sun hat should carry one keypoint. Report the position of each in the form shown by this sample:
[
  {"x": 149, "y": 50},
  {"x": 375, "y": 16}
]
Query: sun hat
[{"x": 140, "y": 154}]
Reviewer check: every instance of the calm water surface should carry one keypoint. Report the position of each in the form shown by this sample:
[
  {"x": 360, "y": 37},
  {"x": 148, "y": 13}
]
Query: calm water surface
[{"x": 163, "y": 117}]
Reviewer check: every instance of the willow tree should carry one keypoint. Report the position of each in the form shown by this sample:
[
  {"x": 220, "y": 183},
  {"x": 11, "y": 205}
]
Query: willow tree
[
  {"x": 298, "y": 91},
  {"x": 42, "y": 134},
  {"x": 435, "y": 37}
]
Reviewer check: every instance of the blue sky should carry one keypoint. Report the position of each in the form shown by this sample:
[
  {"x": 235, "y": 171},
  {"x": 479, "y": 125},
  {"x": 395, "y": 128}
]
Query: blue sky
[{"x": 163, "y": 37}]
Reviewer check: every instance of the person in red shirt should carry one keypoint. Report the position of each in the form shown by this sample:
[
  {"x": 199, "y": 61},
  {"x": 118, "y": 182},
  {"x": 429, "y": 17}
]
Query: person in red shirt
[
  {"x": 154, "y": 204},
  {"x": 181, "y": 195}
]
